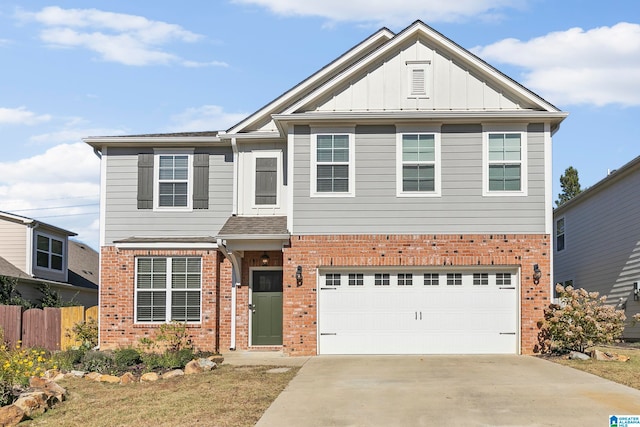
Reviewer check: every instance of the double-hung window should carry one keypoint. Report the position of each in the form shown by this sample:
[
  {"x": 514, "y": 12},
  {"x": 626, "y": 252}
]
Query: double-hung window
[
  {"x": 505, "y": 163},
  {"x": 168, "y": 289},
  {"x": 332, "y": 172},
  {"x": 266, "y": 178},
  {"x": 560, "y": 234},
  {"x": 418, "y": 163},
  {"x": 49, "y": 253},
  {"x": 173, "y": 180}
]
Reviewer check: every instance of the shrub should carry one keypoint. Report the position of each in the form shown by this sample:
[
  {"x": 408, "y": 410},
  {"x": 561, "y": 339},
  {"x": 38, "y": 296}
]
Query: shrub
[
  {"x": 18, "y": 364},
  {"x": 86, "y": 333},
  {"x": 68, "y": 359},
  {"x": 173, "y": 336},
  {"x": 581, "y": 320},
  {"x": 126, "y": 357},
  {"x": 98, "y": 361}
]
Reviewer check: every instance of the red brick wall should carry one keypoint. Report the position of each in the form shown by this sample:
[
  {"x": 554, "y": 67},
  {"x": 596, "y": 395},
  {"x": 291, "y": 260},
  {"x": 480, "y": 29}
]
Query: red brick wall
[
  {"x": 117, "y": 281},
  {"x": 311, "y": 252}
]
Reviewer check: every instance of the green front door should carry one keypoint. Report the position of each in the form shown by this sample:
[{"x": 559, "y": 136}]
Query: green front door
[{"x": 266, "y": 317}]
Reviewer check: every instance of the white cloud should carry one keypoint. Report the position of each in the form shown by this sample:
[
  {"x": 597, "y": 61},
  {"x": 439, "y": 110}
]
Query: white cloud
[
  {"x": 598, "y": 66},
  {"x": 21, "y": 116},
  {"x": 70, "y": 135},
  {"x": 60, "y": 187},
  {"x": 116, "y": 37},
  {"x": 385, "y": 12},
  {"x": 206, "y": 117}
]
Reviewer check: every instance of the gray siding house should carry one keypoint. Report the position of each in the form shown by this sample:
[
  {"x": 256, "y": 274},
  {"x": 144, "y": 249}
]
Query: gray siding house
[
  {"x": 597, "y": 240},
  {"x": 397, "y": 201}
]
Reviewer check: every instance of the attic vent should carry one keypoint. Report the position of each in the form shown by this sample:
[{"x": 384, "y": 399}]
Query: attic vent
[{"x": 418, "y": 78}]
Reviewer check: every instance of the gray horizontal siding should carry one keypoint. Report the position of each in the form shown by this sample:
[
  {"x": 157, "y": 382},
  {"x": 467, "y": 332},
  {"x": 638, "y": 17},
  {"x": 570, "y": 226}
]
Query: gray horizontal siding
[
  {"x": 461, "y": 208},
  {"x": 602, "y": 244},
  {"x": 123, "y": 219}
]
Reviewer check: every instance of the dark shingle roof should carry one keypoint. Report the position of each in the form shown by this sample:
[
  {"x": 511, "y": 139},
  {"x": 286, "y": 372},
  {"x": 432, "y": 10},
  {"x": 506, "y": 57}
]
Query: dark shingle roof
[
  {"x": 84, "y": 265},
  {"x": 10, "y": 270},
  {"x": 255, "y": 226}
]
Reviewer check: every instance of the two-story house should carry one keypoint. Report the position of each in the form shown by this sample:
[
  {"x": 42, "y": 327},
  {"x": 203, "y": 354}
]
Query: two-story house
[
  {"x": 34, "y": 253},
  {"x": 597, "y": 241},
  {"x": 397, "y": 201}
]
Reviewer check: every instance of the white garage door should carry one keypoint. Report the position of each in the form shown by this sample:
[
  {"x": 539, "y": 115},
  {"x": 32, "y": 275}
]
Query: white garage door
[{"x": 418, "y": 312}]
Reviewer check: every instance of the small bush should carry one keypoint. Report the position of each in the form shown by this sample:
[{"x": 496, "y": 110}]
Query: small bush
[
  {"x": 18, "y": 364},
  {"x": 68, "y": 359},
  {"x": 98, "y": 361},
  {"x": 86, "y": 333},
  {"x": 173, "y": 336},
  {"x": 126, "y": 357},
  {"x": 581, "y": 320}
]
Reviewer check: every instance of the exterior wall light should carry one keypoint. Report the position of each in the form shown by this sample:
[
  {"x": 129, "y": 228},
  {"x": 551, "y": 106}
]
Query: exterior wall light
[
  {"x": 537, "y": 274},
  {"x": 264, "y": 259},
  {"x": 299, "y": 275}
]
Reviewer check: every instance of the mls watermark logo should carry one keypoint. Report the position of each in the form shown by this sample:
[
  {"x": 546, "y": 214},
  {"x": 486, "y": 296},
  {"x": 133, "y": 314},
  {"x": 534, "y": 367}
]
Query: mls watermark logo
[{"x": 624, "y": 421}]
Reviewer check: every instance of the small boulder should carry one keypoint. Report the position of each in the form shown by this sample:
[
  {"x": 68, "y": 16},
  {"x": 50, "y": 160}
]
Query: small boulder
[
  {"x": 207, "y": 365},
  {"x": 94, "y": 376},
  {"x": 52, "y": 374},
  {"x": 111, "y": 379},
  {"x": 149, "y": 377},
  {"x": 32, "y": 403},
  {"x": 193, "y": 367},
  {"x": 127, "y": 378},
  {"x": 576, "y": 355},
  {"x": 11, "y": 415},
  {"x": 216, "y": 359},
  {"x": 608, "y": 357},
  {"x": 76, "y": 374},
  {"x": 173, "y": 374}
]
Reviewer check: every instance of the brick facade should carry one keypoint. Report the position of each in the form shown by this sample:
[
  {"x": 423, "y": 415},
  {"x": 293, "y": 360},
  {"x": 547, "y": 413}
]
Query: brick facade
[{"x": 117, "y": 328}]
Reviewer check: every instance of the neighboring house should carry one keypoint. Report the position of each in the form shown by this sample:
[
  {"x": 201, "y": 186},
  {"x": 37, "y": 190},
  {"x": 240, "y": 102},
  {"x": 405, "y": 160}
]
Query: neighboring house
[
  {"x": 35, "y": 253},
  {"x": 396, "y": 201},
  {"x": 597, "y": 240}
]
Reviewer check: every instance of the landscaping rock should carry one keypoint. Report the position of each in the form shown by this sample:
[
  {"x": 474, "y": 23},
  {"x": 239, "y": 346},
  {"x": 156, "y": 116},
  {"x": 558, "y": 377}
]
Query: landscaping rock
[
  {"x": 149, "y": 377},
  {"x": 111, "y": 379},
  {"x": 32, "y": 403},
  {"x": 55, "y": 392},
  {"x": 77, "y": 374},
  {"x": 193, "y": 367},
  {"x": 53, "y": 375},
  {"x": 127, "y": 378},
  {"x": 576, "y": 355},
  {"x": 94, "y": 376},
  {"x": 608, "y": 357},
  {"x": 216, "y": 359},
  {"x": 11, "y": 415},
  {"x": 206, "y": 364},
  {"x": 172, "y": 374}
]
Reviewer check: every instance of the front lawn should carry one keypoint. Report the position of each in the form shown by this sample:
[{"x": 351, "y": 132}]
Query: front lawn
[
  {"x": 227, "y": 396},
  {"x": 627, "y": 373}
]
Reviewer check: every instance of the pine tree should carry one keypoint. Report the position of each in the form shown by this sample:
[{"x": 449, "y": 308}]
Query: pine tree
[{"x": 570, "y": 186}]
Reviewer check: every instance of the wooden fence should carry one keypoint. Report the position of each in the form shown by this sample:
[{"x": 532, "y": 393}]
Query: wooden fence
[{"x": 48, "y": 328}]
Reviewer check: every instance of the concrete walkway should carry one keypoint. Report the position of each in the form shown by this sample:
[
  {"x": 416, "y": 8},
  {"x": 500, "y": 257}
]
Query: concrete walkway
[{"x": 446, "y": 391}]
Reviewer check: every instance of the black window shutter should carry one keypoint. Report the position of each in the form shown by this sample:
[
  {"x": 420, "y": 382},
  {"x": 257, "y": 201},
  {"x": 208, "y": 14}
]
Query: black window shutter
[
  {"x": 145, "y": 181},
  {"x": 201, "y": 181}
]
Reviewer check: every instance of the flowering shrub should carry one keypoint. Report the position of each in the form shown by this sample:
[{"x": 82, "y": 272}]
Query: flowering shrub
[
  {"x": 18, "y": 364},
  {"x": 581, "y": 320}
]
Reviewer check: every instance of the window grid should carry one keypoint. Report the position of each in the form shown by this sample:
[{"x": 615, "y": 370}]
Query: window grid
[
  {"x": 503, "y": 279},
  {"x": 381, "y": 279},
  {"x": 332, "y": 163},
  {"x": 405, "y": 279},
  {"x": 454, "y": 279},
  {"x": 168, "y": 289},
  {"x": 266, "y": 181},
  {"x": 480, "y": 279},
  {"x": 418, "y": 162},
  {"x": 332, "y": 280},
  {"x": 505, "y": 161},
  {"x": 356, "y": 279},
  {"x": 173, "y": 180},
  {"x": 49, "y": 253},
  {"x": 431, "y": 279}
]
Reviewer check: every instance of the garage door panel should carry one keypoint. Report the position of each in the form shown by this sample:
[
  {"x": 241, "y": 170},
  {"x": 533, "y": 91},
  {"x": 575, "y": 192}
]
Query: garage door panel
[{"x": 419, "y": 319}]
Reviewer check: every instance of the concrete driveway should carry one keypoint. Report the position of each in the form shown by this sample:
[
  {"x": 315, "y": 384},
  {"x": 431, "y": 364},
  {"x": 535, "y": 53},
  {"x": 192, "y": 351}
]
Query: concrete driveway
[{"x": 446, "y": 391}]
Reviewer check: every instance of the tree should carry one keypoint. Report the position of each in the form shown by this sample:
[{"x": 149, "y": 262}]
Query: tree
[
  {"x": 9, "y": 295},
  {"x": 570, "y": 186}
]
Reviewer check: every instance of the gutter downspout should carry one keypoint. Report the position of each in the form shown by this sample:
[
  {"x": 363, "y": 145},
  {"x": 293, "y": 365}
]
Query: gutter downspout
[{"x": 235, "y": 284}]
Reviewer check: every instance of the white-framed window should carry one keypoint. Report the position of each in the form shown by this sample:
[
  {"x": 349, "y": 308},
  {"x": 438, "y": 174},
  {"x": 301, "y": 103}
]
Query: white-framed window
[
  {"x": 480, "y": 279},
  {"x": 332, "y": 163},
  {"x": 381, "y": 279},
  {"x": 560, "y": 234},
  {"x": 332, "y": 279},
  {"x": 418, "y": 79},
  {"x": 418, "y": 162},
  {"x": 405, "y": 279},
  {"x": 505, "y": 161},
  {"x": 266, "y": 184},
  {"x": 431, "y": 279},
  {"x": 173, "y": 180},
  {"x": 454, "y": 279},
  {"x": 356, "y": 279},
  {"x": 503, "y": 279},
  {"x": 49, "y": 252},
  {"x": 168, "y": 289}
]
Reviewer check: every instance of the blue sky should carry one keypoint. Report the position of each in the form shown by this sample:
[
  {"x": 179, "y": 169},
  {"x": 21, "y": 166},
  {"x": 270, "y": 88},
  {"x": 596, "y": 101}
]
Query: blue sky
[{"x": 72, "y": 69}]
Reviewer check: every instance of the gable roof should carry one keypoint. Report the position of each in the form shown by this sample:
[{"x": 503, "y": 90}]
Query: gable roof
[
  {"x": 33, "y": 222},
  {"x": 84, "y": 265},
  {"x": 347, "y": 67}
]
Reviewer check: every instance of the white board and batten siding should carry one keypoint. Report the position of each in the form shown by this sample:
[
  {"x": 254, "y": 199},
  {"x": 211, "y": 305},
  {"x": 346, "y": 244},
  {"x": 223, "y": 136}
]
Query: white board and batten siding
[{"x": 466, "y": 318}]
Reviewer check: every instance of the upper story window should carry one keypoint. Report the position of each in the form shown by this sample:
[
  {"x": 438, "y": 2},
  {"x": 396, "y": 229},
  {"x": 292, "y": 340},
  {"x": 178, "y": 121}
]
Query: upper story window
[
  {"x": 266, "y": 184},
  {"x": 332, "y": 166},
  {"x": 560, "y": 234},
  {"x": 505, "y": 168},
  {"x": 168, "y": 289},
  {"x": 418, "y": 164},
  {"x": 49, "y": 253},
  {"x": 173, "y": 180}
]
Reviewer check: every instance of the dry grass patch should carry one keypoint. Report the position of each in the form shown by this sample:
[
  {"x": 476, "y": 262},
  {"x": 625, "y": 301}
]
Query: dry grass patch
[
  {"x": 227, "y": 396},
  {"x": 621, "y": 372}
]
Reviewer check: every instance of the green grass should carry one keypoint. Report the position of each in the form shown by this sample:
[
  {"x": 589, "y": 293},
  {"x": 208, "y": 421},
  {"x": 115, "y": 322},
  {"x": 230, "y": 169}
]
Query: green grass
[{"x": 227, "y": 396}]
